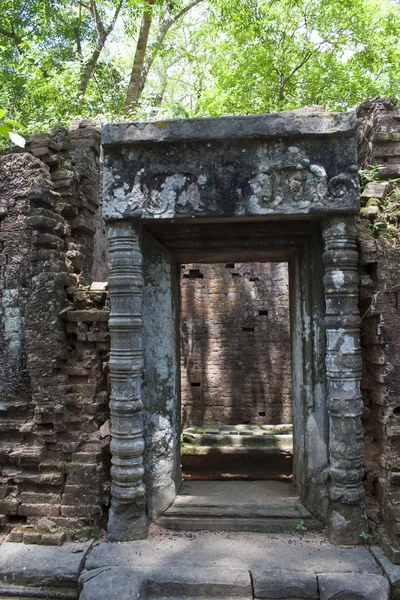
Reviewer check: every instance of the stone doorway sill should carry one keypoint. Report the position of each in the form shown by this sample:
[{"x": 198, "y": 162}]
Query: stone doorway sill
[
  {"x": 250, "y": 452},
  {"x": 263, "y": 506}
]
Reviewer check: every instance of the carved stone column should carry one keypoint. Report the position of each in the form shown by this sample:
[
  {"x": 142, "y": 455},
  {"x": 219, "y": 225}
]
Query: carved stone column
[
  {"x": 343, "y": 366},
  {"x": 127, "y": 519}
]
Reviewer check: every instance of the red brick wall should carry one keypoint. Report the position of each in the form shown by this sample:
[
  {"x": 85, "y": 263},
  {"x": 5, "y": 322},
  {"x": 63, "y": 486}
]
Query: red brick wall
[{"x": 235, "y": 344}]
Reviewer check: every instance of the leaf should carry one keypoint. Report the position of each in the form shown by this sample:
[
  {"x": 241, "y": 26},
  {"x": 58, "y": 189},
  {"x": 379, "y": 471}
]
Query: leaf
[
  {"x": 17, "y": 139},
  {"x": 2, "y": 112},
  {"x": 13, "y": 123},
  {"x": 4, "y": 130}
]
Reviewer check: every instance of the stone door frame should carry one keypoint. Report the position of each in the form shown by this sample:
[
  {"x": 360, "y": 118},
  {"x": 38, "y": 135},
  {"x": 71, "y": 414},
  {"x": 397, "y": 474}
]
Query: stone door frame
[{"x": 154, "y": 179}]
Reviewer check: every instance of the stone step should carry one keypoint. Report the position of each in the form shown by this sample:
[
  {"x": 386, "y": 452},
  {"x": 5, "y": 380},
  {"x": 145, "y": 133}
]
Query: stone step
[
  {"x": 250, "y": 524},
  {"x": 239, "y": 435},
  {"x": 282, "y": 515},
  {"x": 11, "y": 592},
  {"x": 32, "y": 571},
  {"x": 172, "y": 583},
  {"x": 239, "y": 449},
  {"x": 265, "y": 506}
]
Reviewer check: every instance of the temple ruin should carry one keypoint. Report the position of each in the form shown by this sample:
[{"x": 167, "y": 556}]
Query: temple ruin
[{"x": 245, "y": 330}]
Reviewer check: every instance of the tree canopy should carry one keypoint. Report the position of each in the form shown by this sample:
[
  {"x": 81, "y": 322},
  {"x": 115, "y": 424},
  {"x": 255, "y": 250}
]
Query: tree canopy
[{"x": 138, "y": 59}]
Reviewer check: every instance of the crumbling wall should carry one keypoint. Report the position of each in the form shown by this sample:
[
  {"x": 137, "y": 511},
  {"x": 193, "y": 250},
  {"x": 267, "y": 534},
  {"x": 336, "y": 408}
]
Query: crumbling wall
[
  {"x": 54, "y": 339},
  {"x": 379, "y": 146},
  {"x": 235, "y": 344}
]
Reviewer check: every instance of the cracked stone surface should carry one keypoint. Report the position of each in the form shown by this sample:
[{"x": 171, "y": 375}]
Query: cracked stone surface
[
  {"x": 267, "y": 167},
  {"x": 353, "y": 586},
  {"x": 189, "y": 565},
  {"x": 311, "y": 553},
  {"x": 125, "y": 584},
  {"x": 29, "y": 570}
]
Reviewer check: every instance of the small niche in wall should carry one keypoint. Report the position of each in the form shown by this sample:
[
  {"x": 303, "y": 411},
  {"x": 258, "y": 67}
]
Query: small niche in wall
[
  {"x": 230, "y": 266},
  {"x": 396, "y": 412},
  {"x": 254, "y": 279},
  {"x": 195, "y": 384},
  {"x": 193, "y": 274},
  {"x": 261, "y": 413},
  {"x": 236, "y": 275},
  {"x": 248, "y": 329},
  {"x": 263, "y": 313}
]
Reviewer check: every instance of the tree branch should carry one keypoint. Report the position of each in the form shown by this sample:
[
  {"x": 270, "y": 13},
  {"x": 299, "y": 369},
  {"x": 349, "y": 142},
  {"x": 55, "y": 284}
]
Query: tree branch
[
  {"x": 18, "y": 40},
  {"x": 157, "y": 45},
  {"x": 103, "y": 32}
]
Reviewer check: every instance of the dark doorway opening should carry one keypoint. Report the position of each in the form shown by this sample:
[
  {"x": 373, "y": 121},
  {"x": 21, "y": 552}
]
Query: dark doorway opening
[{"x": 236, "y": 397}]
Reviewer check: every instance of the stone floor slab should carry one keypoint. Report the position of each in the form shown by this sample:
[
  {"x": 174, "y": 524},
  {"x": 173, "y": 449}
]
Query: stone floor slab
[
  {"x": 391, "y": 570},
  {"x": 309, "y": 553},
  {"x": 353, "y": 586},
  {"x": 155, "y": 583},
  {"x": 42, "y": 565},
  {"x": 284, "y": 584}
]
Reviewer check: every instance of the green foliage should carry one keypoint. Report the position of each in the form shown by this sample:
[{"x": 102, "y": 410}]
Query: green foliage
[
  {"x": 7, "y": 132},
  {"x": 286, "y": 54},
  {"x": 380, "y": 217},
  {"x": 301, "y": 528},
  {"x": 222, "y": 57},
  {"x": 369, "y": 175}
]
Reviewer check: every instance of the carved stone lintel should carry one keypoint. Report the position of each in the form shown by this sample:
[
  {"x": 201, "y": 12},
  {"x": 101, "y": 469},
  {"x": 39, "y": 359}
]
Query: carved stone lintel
[
  {"x": 127, "y": 520},
  {"x": 343, "y": 367}
]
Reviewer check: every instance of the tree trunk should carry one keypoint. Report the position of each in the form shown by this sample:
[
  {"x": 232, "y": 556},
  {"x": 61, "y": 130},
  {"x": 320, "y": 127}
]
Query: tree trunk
[
  {"x": 90, "y": 67},
  {"x": 103, "y": 34},
  {"x": 156, "y": 47},
  {"x": 132, "y": 94}
]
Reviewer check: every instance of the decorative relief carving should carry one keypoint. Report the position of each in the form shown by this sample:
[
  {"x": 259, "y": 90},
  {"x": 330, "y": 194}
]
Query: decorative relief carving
[
  {"x": 158, "y": 194},
  {"x": 276, "y": 184},
  {"x": 298, "y": 185},
  {"x": 344, "y": 183}
]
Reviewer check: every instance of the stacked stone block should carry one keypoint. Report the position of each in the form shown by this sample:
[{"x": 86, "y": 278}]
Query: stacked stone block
[
  {"x": 380, "y": 323},
  {"x": 54, "y": 385},
  {"x": 235, "y": 344}
]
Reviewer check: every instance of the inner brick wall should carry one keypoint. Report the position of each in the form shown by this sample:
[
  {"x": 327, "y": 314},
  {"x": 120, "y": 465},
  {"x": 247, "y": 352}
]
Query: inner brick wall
[{"x": 235, "y": 344}]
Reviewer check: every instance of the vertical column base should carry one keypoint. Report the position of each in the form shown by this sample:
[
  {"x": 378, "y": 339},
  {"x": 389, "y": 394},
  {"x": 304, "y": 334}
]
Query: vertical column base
[
  {"x": 345, "y": 523},
  {"x": 124, "y": 524}
]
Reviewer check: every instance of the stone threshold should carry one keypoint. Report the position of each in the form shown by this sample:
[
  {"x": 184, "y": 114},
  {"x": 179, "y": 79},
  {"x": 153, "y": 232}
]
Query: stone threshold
[
  {"x": 237, "y": 452},
  {"x": 264, "y": 437},
  {"x": 259, "y": 506},
  {"x": 204, "y": 566}
]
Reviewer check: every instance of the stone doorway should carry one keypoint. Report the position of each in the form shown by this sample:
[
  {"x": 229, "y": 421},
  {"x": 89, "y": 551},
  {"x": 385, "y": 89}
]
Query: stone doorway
[{"x": 245, "y": 189}]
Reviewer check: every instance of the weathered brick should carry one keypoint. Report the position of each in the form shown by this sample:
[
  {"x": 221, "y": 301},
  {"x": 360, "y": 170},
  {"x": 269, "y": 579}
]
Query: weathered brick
[
  {"x": 53, "y": 539},
  {"x": 39, "y": 510},
  {"x": 32, "y": 538},
  {"x": 86, "y": 511},
  {"x": 15, "y": 536}
]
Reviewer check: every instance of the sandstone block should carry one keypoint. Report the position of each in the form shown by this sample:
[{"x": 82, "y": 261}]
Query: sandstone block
[
  {"x": 32, "y": 538},
  {"x": 86, "y": 511},
  {"x": 88, "y": 315},
  {"x": 281, "y": 583},
  {"x": 53, "y": 539},
  {"x": 357, "y": 586},
  {"x": 39, "y": 510},
  {"x": 15, "y": 536},
  {"x": 376, "y": 190}
]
